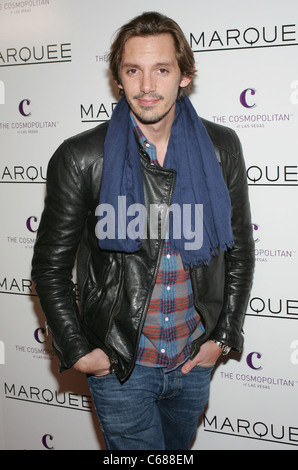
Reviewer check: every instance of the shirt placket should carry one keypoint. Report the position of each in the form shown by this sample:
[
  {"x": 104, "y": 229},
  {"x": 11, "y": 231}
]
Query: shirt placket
[
  {"x": 168, "y": 300},
  {"x": 168, "y": 266}
]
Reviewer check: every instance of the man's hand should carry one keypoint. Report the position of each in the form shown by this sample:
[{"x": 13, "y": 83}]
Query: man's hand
[
  {"x": 207, "y": 356},
  {"x": 94, "y": 363}
]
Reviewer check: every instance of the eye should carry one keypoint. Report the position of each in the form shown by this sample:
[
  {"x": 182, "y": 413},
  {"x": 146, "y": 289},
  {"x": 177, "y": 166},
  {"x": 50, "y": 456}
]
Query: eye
[
  {"x": 131, "y": 71},
  {"x": 163, "y": 71}
]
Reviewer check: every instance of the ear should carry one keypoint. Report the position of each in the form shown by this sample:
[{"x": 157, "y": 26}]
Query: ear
[
  {"x": 185, "y": 81},
  {"x": 119, "y": 85}
]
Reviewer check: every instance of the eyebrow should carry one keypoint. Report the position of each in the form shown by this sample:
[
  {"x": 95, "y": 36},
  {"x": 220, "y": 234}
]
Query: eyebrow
[{"x": 158, "y": 64}]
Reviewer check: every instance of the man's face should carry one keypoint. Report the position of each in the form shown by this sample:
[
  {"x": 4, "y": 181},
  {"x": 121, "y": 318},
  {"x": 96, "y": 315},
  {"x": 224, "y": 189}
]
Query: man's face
[{"x": 150, "y": 77}]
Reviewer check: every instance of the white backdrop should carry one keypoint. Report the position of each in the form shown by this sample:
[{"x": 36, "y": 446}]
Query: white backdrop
[{"x": 54, "y": 83}]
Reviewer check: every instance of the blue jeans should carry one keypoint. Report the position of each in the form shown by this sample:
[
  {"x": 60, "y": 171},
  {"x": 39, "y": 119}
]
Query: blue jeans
[{"x": 153, "y": 409}]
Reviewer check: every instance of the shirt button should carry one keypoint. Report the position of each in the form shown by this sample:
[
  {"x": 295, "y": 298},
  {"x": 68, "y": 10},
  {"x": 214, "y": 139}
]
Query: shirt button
[
  {"x": 168, "y": 288},
  {"x": 168, "y": 256},
  {"x": 163, "y": 351},
  {"x": 167, "y": 319}
]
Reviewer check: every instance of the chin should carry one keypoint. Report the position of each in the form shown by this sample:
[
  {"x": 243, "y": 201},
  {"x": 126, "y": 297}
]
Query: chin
[{"x": 151, "y": 118}]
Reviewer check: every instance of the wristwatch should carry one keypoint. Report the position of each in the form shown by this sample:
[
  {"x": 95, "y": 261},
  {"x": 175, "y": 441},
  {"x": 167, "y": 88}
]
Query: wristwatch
[{"x": 225, "y": 349}]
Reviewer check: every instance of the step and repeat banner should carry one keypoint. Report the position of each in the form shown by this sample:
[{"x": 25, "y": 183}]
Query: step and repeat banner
[{"x": 54, "y": 83}]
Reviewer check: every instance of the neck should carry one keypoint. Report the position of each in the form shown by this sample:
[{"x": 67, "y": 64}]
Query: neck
[{"x": 159, "y": 134}]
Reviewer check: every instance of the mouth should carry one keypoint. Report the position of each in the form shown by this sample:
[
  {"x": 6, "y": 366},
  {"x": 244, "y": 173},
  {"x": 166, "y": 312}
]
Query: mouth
[{"x": 148, "y": 102}]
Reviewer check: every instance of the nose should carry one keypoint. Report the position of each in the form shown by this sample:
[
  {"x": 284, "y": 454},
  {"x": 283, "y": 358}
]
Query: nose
[{"x": 147, "y": 83}]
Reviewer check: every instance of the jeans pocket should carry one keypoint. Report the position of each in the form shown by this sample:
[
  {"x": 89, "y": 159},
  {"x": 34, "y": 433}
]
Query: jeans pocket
[
  {"x": 199, "y": 366},
  {"x": 99, "y": 377}
]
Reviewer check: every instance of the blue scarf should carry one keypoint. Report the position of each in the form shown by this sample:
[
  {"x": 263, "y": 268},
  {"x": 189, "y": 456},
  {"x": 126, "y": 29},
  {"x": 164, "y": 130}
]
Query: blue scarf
[{"x": 199, "y": 181}]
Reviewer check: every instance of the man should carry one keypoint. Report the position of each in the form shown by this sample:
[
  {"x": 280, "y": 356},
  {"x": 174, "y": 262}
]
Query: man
[{"x": 159, "y": 303}]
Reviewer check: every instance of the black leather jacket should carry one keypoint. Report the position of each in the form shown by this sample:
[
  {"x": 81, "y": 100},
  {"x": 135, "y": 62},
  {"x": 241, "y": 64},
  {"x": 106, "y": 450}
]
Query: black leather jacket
[{"x": 115, "y": 288}]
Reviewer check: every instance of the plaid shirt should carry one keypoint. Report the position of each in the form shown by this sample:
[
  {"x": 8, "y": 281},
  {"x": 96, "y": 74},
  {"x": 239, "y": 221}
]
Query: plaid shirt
[{"x": 172, "y": 322}]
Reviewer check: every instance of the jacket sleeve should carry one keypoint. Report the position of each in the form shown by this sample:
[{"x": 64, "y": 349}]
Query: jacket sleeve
[
  {"x": 240, "y": 260},
  {"x": 57, "y": 241}
]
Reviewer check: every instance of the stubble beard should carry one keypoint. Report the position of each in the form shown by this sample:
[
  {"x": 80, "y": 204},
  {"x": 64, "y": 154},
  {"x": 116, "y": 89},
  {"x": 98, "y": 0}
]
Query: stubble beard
[{"x": 142, "y": 116}]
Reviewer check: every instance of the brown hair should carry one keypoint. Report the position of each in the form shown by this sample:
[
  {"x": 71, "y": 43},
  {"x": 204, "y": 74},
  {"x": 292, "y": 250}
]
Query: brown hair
[{"x": 153, "y": 24}]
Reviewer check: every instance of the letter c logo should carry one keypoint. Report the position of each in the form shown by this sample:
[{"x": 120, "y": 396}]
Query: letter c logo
[
  {"x": 37, "y": 333},
  {"x": 45, "y": 441},
  {"x": 249, "y": 360},
  {"x": 243, "y": 97},
  {"x": 256, "y": 227},
  {"x": 21, "y": 108},
  {"x": 2, "y": 92},
  {"x": 29, "y": 222}
]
